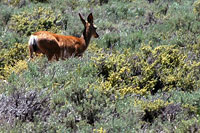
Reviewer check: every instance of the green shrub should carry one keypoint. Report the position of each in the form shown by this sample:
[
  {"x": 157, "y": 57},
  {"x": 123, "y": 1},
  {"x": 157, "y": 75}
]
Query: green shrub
[
  {"x": 9, "y": 38},
  {"x": 25, "y": 23},
  {"x": 191, "y": 125},
  {"x": 40, "y": 0},
  {"x": 73, "y": 100},
  {"x": 5, "y": 15},
  {"x": 141, "y": 75}
]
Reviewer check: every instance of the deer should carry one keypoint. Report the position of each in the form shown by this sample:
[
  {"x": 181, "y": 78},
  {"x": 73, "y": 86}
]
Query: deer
[{"x": 62, "y": 46}]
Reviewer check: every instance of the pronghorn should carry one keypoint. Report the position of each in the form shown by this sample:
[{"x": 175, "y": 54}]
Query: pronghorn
[{"x": 62, "y": 46}]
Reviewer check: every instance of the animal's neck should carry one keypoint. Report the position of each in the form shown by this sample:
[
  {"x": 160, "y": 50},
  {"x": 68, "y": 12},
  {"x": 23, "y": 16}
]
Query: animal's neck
[{"x": 86, "y": 36}]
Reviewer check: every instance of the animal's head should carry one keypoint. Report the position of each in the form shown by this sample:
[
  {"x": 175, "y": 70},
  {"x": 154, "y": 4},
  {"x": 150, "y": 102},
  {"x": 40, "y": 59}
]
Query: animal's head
[{"x": 90, "y": 28}]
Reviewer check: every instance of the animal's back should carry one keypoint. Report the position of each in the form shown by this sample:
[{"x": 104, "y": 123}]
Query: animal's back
[
  {"x": 47, "y": 43},
  {"x": 69, "y": 45}
]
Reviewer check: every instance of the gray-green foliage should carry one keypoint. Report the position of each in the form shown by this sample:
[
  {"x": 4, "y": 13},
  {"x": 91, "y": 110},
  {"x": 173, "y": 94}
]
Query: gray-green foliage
[
  {"x": 5, "y": 15},
  {"x": 151, "y": 88}
]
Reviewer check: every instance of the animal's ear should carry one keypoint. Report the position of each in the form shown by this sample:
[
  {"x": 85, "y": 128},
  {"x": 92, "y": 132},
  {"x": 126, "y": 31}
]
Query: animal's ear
[
  {"x": 82, "y": 20},
  {"x": 90, "y": 18}
]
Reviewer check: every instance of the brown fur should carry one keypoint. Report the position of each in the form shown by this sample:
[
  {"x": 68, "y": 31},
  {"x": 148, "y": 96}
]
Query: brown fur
[{"x": 62, "y": 46}]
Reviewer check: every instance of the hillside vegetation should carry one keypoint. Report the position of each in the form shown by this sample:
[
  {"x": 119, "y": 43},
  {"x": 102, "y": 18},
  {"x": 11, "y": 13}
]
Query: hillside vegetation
[{"x": 141, "y": 75}]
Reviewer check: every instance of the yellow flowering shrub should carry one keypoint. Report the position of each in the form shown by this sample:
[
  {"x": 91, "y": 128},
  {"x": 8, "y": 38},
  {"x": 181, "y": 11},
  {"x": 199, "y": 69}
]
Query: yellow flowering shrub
[
  {"x": 10, "y": 57},
  {"x": 197, "y": 7},
  {"x": 101, "y": 130},
  {"x": 148, "y": 70},
  {"x": 115, "y": 70},
  {"x": 40, "y": 18},
  {"x": 12, "y": 2},
  {"x": 151, "y": 105},
  {"x": 18, "y": 68},
  {"x": 190, "y": 107}
]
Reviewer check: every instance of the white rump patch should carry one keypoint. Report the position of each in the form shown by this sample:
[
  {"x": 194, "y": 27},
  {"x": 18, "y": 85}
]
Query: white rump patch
[{"x": 33, "y": 39}]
